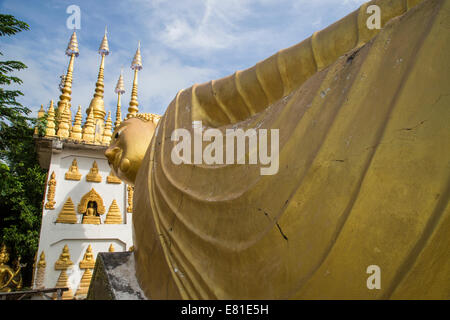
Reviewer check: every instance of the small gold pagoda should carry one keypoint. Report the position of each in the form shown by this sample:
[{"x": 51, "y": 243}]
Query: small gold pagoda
[
  {"x": 67, "y": 214},
  {"x": 113, "y": 216},
  {"x": 63, "y": 282}
]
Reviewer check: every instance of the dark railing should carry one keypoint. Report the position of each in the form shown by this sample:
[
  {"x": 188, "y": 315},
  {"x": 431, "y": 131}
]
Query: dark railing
[{"x": 19, "y": 295}]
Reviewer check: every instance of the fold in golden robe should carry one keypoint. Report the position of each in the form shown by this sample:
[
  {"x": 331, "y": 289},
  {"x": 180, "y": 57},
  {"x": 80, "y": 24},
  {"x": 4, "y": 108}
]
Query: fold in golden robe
[{"x": 364, "y": 173}]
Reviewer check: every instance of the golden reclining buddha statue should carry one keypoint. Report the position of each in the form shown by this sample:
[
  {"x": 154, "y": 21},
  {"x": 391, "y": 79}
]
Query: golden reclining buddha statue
[{"x": 363, "y": 180}]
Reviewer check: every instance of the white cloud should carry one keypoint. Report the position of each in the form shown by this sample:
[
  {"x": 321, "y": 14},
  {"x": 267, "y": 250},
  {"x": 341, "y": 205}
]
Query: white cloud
[{"x": 183, "y": 42}]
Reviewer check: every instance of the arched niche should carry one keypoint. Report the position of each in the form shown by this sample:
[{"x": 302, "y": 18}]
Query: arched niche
[{"x": 91, "y": 202}]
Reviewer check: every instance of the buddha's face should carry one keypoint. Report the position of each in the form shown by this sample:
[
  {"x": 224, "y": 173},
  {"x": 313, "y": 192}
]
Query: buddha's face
[{"x": 128, "y": 146}]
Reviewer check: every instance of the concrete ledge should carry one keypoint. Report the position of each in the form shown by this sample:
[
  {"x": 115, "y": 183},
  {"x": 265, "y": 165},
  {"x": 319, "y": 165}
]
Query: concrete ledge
[{"x": 114, "y": 278}]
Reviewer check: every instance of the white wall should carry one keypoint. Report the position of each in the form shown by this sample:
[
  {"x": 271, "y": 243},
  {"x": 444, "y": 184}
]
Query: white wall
[{"x": 54, "y": 235}]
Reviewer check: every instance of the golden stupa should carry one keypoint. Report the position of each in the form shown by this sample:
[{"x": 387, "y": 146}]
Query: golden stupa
[
  {"x": 84, "y": 284},
  {"x": 63, "y": 282},
  {"x": 67, "y": 214},
  {"x": 114, "y": 216}
]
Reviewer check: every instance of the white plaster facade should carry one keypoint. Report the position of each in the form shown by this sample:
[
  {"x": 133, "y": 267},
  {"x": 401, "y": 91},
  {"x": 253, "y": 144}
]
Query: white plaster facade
[{"x": 79, "y": 236}]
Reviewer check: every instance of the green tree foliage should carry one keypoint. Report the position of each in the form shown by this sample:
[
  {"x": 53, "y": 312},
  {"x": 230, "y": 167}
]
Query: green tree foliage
[{"x": 22, "y": 181}]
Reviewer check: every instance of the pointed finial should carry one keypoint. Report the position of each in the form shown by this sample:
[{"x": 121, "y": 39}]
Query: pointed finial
[
  {"x": 107, "y": 133},
  {"x": 76, "y": 132},
  {"x": 66, "y": 82},
  {"x": 97, "y": 104},
  {"x": 136, "y": 64},
  {"x": 104, "y": 48},
  {"x": 72, "y": 47},
  {"x": 89, "y": 128},
  {"x": 119, "y": 87},
  {"x": 50, "y": 129}
]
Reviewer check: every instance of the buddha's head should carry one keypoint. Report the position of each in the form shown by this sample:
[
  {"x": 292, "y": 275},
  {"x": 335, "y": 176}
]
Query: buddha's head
[{"x": 128, "y": 146}]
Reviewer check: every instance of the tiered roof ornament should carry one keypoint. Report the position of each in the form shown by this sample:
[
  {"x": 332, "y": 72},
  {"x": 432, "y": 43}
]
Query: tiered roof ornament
[
  {"x": 136, "y": 65},
  {"x": 66, "y": 91},
  {"x": 119, "y": 90},
  {"x": 94, "y": 130},
  {"x": 97, "y": 104}
]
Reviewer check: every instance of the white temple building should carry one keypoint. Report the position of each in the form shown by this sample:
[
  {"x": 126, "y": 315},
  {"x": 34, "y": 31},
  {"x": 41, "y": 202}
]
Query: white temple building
[{"x": 86, "y": 208}]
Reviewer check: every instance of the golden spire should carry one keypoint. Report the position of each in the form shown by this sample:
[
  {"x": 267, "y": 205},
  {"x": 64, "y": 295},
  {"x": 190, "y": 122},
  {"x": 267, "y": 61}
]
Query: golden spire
[
  {"x": 50, "y": 129},
  {"x": 64, "y": 123},
  {"x": 107, "y": 133},
  {"x": 119, "y": 90},
  {"x": 97, "y": 104},
  {"x": 104, "y": 48},
  {"x": 76, "y": 131},
  {"x": 72, "y": 51},
  {"x": 111, "y": 248},
  {"x": 89, "y": 128},
  {"x": 136, "y": 65}
]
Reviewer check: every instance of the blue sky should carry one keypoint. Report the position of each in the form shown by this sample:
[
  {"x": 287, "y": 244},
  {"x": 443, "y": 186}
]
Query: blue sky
[{"x": 182, "y": 42}]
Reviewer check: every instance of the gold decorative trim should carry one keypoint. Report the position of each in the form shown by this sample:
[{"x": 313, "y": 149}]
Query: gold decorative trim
[
  {"x": 130, "y": 198},
  {"x": 112, "y": 178},
  {"x": 88, "y": 261},
  {"x": 67, "y": 214},
  {"x": 113, "y": 216},
  {"x": 64, "y": 261},
  {"x": 73, "y": 173},
  {"x": 93, "y": 175},
  {"x": 50, "y": 205}
]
